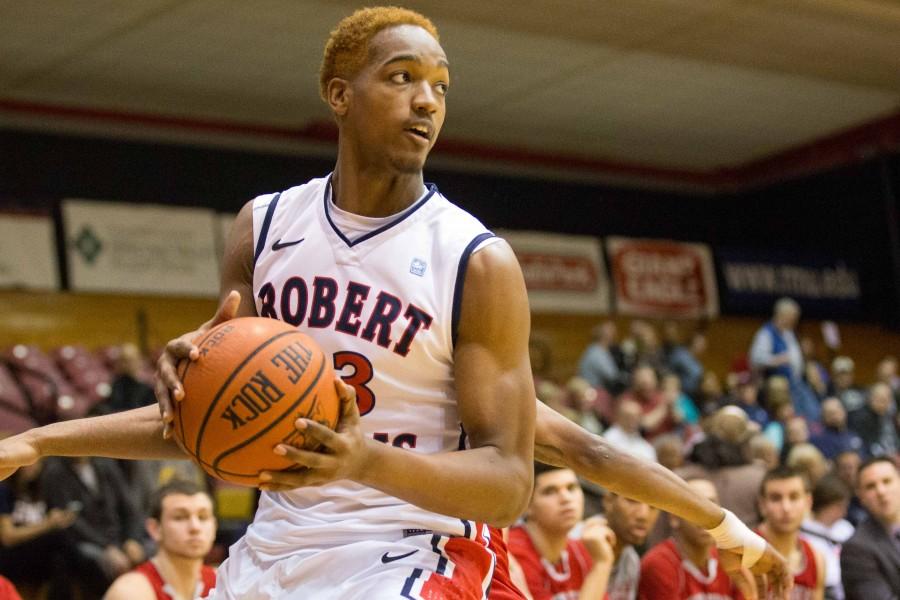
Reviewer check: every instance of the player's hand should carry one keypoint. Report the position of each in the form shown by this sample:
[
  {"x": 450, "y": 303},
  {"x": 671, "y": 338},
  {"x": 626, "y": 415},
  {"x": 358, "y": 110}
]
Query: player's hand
[
  {"x": 770, "y": 572},
  {"x": 343, "y": 452},
  {"x": 134, "y": 551},
  {"x": 17, "y": 451},
  {"x": 168, "y": 387},
  {"x": 599, "y": 540}
]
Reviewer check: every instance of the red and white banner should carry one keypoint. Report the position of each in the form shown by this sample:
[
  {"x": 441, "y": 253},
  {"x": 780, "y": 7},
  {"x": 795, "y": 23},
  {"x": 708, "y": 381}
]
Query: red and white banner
[
  {"x": 563, "y": 273},
  {"x": 663, "y": 279}
]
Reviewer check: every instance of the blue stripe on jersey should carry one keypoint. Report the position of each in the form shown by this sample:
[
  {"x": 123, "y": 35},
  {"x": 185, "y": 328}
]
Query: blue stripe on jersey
[
  {"x": 467, "y": 531},
  {"x": 442, "y": 561},
  {"x": 264, "y": 229},
  {"x": 432, "y": 189},
  {"x": 408, "y": 584},
  {"x": 461, "y": 279}
]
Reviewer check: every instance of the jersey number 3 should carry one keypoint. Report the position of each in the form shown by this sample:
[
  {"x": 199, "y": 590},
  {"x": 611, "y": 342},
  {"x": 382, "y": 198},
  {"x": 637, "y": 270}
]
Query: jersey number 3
[{"x": 361, "y": 375}]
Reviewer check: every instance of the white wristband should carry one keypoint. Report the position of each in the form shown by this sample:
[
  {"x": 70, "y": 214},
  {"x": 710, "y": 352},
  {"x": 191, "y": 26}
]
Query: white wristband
[{"x": 732, "y": 534}]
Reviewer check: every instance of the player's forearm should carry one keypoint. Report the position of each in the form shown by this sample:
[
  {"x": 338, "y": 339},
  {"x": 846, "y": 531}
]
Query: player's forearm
[
  {"x": 480, "y": 484},
  {"x": 133, "y": 434}
]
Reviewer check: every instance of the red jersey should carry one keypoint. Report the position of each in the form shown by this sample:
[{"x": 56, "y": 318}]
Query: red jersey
[
  {"x": 8, "y": 590},
  {"x": 806, "y": 577},
  {"x": 546, "y": 581},
  {"x": 502, "y": 587},
  {"x": 160, "y": 587},
  {"x": 665, "y": 575}
]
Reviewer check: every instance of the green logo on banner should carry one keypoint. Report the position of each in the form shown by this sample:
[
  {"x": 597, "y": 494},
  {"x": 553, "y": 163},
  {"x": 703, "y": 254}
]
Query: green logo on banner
[{"x": 88, "y": 244}]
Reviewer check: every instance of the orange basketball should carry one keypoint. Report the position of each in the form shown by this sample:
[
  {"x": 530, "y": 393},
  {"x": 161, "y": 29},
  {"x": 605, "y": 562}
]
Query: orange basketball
[{"x": 254, "y": 378}]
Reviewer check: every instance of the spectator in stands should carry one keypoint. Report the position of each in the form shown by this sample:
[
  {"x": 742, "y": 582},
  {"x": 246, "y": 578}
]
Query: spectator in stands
[
  {"x": 686, "y": 411},
  {"x": 554, "y": 564},
  {"x": 128, "y": 389},
  {"x": 795, "y": 432},
  {"x": 762, "y": 450},
  {"x": 723, "y": 458},
  {"x": 626, "y": 431},
  {"x": 631, "y": 521},
  {"x": 587, "y": 404},
  {"x": 846, "y": 466},
  {"x": 106, "y": 532},
  {"x": 784, "y": 501},
  {"x": 657, "y": 410},
  {"x": 781, "y": 410},
  {"x": 887, "y": 372},
  {"x": 34, "y": 546},
  {"x": 745, "y": 396},
  {"x": 807, "y": 459},
  {"x": 775, "y": 349},
  {"x": 842, "y": 384},
  {"x": 826, "y": 529},
  {"x": 815, "y": 372},
  {"x": 873, "y": 422},
  {"x": 598, "y": 364},
  {"x": 711, "y": 396},
  {"x": 183, "y": 525},
  {"x": 834, "y": 437},
  {"x": 669, "y": 451},
  {"x": 684, "y": 361},
  {"x": 685, "y": 566},
  {"x": 870, "y": 560}
]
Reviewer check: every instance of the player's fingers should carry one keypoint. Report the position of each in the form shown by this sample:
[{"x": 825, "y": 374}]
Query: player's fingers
[
  {"x": 228, "y": 309},
  {"x": 165, "y": 372},
  {"x": 349, "y": 409},
  {"x": 180, "y": 349},
  {"x": 762, "y": 584},
  {"x": 312, "y": 460},
  {"x": 320, "y": 433},
  {"x": 161, "y": 391}
]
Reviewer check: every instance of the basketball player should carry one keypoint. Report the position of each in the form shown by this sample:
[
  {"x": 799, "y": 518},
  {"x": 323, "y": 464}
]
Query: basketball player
[
  {"x": 556, "y": 566},
  {"x": 784, "y": 501},
  {"x": 183, "y": 525},
  {"x": 686, "y": 566},
  {"x": 427, "y": 318}
]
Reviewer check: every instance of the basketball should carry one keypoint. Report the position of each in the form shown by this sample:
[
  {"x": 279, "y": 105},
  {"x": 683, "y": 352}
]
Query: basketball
[{"x": 254, "y": 377}]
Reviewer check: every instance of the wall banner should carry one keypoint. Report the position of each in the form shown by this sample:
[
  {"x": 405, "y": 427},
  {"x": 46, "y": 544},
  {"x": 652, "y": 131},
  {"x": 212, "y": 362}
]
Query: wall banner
[
  {"x": 132, "y": 248},
  {"x": 563, "y": 273},
  {"x": 27, "y": 252},
  {"x": 662, "y": 279}
]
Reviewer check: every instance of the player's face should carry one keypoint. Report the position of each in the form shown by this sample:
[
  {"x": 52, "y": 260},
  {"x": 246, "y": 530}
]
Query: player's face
[
  {"x": 629, "y": 519},
  {"x": 692, "y": 534},
  {"x": 878, "y": 489},
  {"x": 187, "y": 526},
  {"x": 557, "y": 503},
  {"x": 784, "y": 503},
  {"x": 396, "y": 107}
]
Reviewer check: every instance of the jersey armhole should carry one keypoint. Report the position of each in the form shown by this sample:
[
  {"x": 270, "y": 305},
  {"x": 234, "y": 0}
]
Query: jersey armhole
[
  {"x": 479, "y": 241},
  {"x": 264, "y": 228}
]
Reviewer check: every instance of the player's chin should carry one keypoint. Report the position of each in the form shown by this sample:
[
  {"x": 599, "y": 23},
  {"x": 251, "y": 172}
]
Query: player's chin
[{"x": 409, "y": 163}]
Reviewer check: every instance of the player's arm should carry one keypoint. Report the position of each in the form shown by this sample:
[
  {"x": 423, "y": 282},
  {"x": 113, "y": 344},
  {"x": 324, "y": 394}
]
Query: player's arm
[
  {"x": 820, "y": 575},
  {"x": 491, "y": 481},
  {"x": 560, "y": 442},
  {"x": 130, "y": 586}
]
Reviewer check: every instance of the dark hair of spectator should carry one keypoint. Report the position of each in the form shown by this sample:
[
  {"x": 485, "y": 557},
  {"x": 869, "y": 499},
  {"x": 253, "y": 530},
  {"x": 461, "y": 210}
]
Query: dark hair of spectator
[
  {"x": 829, "y": 490},
  {"x": 173, "y": 487},
  {"x": 541, "y": 468},
  {"x": 783, "y": 472},
  {"x": 874, "y": 460}
]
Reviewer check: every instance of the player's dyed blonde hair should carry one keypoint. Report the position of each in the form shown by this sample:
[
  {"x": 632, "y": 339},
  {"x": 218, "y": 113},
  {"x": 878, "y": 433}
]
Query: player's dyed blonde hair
[{"x": 347, "y": 48}]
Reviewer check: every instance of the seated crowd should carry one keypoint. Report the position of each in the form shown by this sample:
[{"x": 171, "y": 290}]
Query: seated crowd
[{"x": 803, "y": 454}]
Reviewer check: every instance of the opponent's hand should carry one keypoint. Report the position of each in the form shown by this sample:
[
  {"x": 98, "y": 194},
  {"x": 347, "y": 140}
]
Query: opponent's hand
[
  {"x": 343, "y": 452},
  {"x": 770, "y": 572},
  {"x": 17, "y": 451},
  {"x": 168, "y": 387}
]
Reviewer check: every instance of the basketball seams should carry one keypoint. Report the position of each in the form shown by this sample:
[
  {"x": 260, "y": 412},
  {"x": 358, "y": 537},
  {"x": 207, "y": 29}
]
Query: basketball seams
[
  {"x": 312, "y": 387},
  {"x": 182, "y": 375},
  {"x": 231, "y": 377}
]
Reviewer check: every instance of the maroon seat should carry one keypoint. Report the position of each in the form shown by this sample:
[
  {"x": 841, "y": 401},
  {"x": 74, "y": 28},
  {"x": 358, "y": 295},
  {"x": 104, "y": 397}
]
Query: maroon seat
[
  {"x": 52, "y": 396},
  {"x": 84, "y": 370},
  {"x": 15, "y": 410}
]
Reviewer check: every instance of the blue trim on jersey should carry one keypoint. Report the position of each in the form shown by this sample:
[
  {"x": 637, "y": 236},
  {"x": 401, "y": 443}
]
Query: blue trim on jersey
[
  {"x": 264, "y": 229},
  {"x": 432, "y": 189},
  {"x": 408, "y": 584},
  {"x": 467, "y": 529},
  {"x": 442, "y": 561},
  {"x": 460, "y": 280}
]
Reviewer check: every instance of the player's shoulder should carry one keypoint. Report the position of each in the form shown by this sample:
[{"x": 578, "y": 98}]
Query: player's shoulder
[
  {"x": 661, "y": 555},
  {"x": 130, "y": 586},
  {"x": 303, "y": 193}
]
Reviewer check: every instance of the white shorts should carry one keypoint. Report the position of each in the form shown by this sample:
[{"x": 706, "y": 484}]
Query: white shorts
[{"x": 427, "y": 566}]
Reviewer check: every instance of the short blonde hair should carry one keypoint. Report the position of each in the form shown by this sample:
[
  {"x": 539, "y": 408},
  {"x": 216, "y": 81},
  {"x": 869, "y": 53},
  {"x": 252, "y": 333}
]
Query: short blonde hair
[{"x": 347, "y": 48}]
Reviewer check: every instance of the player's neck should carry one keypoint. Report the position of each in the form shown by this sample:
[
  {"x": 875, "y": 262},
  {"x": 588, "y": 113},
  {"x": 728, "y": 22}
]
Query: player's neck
[
  {"x": 179, "y": 572},
  {"x": 550, "y": 546},
  {"x": 785, "y": 543},
  {"x": 372, "y": 192},
  {"x": 697, "y": 555}
]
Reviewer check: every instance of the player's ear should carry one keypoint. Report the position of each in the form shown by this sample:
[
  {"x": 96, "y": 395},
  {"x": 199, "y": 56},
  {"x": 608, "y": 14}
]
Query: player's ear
[
  {"x": 152, "y": 527},
  {"x": 338, "y": 95}
]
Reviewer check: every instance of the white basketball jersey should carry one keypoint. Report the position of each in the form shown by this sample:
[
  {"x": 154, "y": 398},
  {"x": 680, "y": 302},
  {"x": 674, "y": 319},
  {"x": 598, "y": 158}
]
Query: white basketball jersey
[{"x": 385, "y": 306}]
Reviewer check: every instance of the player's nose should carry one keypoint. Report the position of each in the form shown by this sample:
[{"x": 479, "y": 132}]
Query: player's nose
[{"x": 425, "y": 98}]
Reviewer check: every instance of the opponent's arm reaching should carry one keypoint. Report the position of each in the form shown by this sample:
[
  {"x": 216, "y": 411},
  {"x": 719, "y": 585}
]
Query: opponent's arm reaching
[{"x": 560, "y": 442}]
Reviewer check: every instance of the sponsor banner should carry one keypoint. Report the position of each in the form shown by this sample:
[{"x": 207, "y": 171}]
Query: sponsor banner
[
  {"x": 27, "y": 253},
  {"x": 753, "y": 279},
  {"x": 151, "y": 249},
  {"x": 563, "y": 273},
  {"x": 662, "y": 279}
]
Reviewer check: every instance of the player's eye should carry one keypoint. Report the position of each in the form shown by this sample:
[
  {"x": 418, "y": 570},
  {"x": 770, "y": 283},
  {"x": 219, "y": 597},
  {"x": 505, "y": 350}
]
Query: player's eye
[
  {"x": 441, "y": 88},
  {"x": 401, "y": 77}
]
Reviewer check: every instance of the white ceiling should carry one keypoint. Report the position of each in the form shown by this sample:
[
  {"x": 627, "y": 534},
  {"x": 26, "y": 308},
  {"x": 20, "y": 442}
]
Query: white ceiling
[{"x": 693, "y": 86}]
